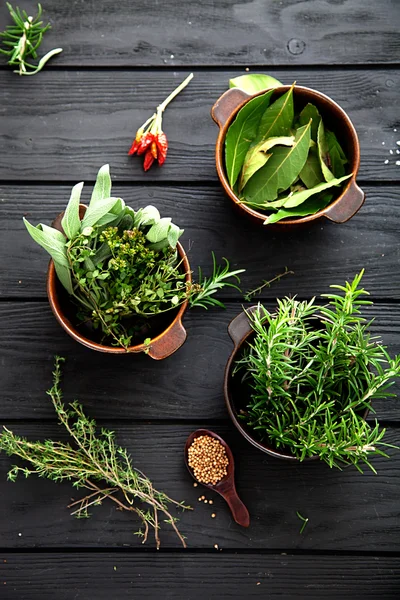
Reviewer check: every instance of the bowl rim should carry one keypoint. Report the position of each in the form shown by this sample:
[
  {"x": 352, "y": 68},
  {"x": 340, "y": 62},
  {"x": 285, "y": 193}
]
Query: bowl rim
[{"x": 219, "y": 156}]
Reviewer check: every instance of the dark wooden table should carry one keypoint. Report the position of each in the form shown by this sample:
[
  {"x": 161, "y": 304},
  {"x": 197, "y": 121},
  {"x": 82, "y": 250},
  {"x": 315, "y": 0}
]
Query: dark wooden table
[{"x": 120, "y": 59}]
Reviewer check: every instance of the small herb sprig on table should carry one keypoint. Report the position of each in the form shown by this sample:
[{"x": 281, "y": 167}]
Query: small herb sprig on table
[
  {"x": 95, "y": 462},
  {"x": 313, "y": 372},
  {"x": 23, "y": 39}
]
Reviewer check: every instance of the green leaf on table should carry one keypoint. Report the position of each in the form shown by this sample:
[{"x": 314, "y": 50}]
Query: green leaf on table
[
  {"x": 311, "y": 174},
  {"x": 96, "y": 211},
  {"x": 277, "y": 119},
  {"x": 241, "y": 133},
  {"x": 71, "y": 222},
  {"x": 51, "y": 240},
  {"x": 102, "y": 187},
  {"x": 281, "y": 170},
  {"x": 310, "y": 112},
  {"x": 254, "y": 82},
  {"x": 309, "y": 207},
  {"x": 256, "y": 156},
  {"x": 337, "y": 156},
  {"x": 323, "y": 153},
  {"x": 297, "y": 198}
]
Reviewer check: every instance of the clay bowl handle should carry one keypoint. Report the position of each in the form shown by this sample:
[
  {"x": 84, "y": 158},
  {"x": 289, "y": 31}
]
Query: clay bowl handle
[
  {"x": 347, "y": 205},
  {"x": 240, "y": 326},
  {"x": 168, "y": 342},
  {"x": 227, "y": 104}
]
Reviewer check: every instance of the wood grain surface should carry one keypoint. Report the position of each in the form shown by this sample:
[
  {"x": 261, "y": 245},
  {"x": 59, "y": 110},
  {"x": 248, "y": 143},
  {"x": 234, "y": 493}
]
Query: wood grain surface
[{"x": 66, "y": 124}]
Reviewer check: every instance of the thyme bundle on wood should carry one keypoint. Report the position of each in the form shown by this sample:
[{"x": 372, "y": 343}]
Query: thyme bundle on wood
[
  {"x": 95, "y": 463},
  {"x": 313, "y": 372}
]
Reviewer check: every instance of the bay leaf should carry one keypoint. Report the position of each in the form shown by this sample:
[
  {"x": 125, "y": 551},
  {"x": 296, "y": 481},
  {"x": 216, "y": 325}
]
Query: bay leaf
[
  {"x": 254, "y": 82},
  {"x": 309, "y": 207},
  {"x": 241, "y": 133},
  {"x": 71, "y": 222},
  {"x": 323, "y": 153},
  {"x": 277, "y": 119},
  {"x": 256, "y": 156},
  {"x": 310, "y": 112},
  {"x": 337, "y": 156},
  {"x": 311, "y": 174},
  {"x": 297, "y": 198},
  {"x": 281, "y": 170}
]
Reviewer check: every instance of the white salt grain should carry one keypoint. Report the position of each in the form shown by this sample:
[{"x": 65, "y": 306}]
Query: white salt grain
[{"x": 386, "y": 162}]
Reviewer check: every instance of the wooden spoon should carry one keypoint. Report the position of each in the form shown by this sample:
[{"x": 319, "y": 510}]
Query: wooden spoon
[{"x": 226, "y": 486}]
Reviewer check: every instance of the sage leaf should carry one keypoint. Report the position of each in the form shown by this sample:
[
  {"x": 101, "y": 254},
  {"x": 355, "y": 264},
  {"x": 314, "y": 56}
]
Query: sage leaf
[
  {"x": 241, "y": 133},
  {"x": 254, "y": 82},
  {"x": 146, "y": 216},
  {"x": 173, "y": 235},
  {"x": 50, "y": 241},
  {"x": 64, "y": 275},
  {"x": 159, "y": 231},
  {"x": 297, "y": 198},
  {"x": 102, "y": 187},
  {"x": 323, "y": 153},
  {"x": 311, "y": 174},
  {"x": 277, "y": 119},
  {"x": 337, "y": 156},
  {"x": 310, "y": 112},
  {"x": 281, "y": 170},
  {"x": 309, "y": 207},
  {"x": 96, "y": 211},
  {"x": 256, "y": 156},
  {"x": 71, "y": 222}
]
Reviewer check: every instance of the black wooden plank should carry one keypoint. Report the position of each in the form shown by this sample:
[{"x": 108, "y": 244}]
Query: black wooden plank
[
  {"x": 226, "y": 32},
  {"x": 188, "y": 385},
  {"x": 319, "y": 255},
  {"x": 192, "y": 576},
  {"x": 64, "y": 125},
  {"x": 347, "y": 511}
]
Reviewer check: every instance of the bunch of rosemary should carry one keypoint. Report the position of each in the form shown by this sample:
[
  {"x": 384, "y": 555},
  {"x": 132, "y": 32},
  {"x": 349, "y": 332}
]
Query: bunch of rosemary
[
  {"x": 22, "y": 40},
  {"x": 313, "y": 372},
  {"x": 121, "y": 266},
  {"x": 95, "y": 462}
]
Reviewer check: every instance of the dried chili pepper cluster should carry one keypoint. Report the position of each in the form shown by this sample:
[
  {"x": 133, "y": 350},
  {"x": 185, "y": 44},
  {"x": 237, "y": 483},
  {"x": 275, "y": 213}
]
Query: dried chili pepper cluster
[{"x": 150, "y": 139}]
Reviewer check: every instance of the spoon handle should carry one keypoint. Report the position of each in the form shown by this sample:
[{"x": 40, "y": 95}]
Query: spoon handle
[{"x": 238, "y": 509}]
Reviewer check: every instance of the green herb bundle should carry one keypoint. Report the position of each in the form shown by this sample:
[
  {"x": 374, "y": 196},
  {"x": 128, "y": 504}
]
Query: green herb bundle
[
  {"x": 22, "y": 40},
  {"x": 312, "y": 372},
  {"x": 94, "y": 462},
  {"x": 121, "y": 266},
  {"x": 282, "y": 162}
]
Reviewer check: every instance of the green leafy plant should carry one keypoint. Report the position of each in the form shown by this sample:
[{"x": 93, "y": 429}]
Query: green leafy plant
[
  {"x": 283, "y": 162},
  {"x": 254, "y": 82},
  {"x": 121, "y": 267},
  {"x": 94, "y": 462},
  {"x": 312, "y": 373},
  {"x": 23, "y": 38}
]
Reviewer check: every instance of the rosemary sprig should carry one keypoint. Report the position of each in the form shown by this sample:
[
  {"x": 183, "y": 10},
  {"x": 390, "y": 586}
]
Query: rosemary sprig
[
  {"x": 96, "y": 463},
  {"x": 248, "y": 296},
  {"x": 210, "y": 285},
  {"x": 23, "y": 39}
]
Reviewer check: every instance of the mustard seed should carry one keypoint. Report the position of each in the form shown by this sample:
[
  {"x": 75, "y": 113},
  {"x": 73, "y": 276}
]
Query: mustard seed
[
  {"x": 208, "y": 460},
  {"x": 213, "y": 516}
]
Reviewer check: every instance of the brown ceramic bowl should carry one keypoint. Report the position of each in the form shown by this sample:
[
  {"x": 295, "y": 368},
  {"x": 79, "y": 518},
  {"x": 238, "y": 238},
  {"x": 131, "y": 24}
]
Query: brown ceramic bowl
[
  {"x": 162, "y": 345},
  {"x": 236, "y": 393},
  {"x": 351, "y": 197}
]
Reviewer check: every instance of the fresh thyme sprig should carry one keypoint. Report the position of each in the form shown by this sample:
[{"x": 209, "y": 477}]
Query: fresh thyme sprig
[
  {"x": 204, "y": 296},
  {"x": 23, "y": 39},
  {"x": 95, "y": 463},
  {"x": 248, "y": 296},
  {"x": 313, "y": 372}
]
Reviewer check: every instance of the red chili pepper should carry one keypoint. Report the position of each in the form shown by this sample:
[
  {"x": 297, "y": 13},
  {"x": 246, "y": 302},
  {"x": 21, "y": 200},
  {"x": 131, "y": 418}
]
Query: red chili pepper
[
  {"x": 148, "y": 160},
  {"x": 145, "y": 142},
  {"x": 136, "y": 142},
  {"x": 153, "y": 147},
  {"x": 162, "y": 146}
]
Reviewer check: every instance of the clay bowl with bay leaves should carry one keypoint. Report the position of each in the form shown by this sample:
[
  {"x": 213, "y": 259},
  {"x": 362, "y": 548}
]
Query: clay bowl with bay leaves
[
  {"x": 350, "y": 198},
  {"x": 237, "y": 392},
  {"x": 167, "y": 332}
]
